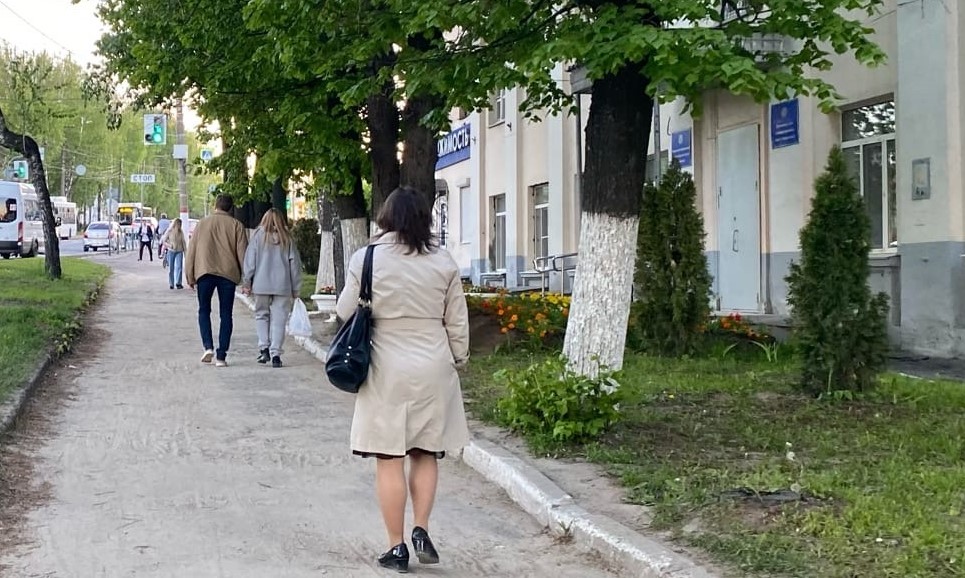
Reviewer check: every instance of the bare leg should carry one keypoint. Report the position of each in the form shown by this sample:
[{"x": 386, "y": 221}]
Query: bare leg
[
  {"x": 423, "y": 478},
  {"x": 390, "y": 487}
]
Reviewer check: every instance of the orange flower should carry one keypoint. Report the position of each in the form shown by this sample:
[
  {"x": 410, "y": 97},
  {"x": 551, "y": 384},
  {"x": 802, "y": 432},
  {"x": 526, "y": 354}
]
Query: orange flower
[
  {"x": 566, "y": 312},
  {"x": 514, "y": 318},
  {"x": 512, "y": 326},
  {"x": 500, "y": 312},
  {"x": 504, "y": 330}
]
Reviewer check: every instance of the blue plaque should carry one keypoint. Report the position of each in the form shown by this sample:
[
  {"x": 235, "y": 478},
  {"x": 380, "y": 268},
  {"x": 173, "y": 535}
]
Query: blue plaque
[
  {"x": 785, "y": 126},
  {"x": 454, "y": 147},
  {"x": 681, "y": 147}
]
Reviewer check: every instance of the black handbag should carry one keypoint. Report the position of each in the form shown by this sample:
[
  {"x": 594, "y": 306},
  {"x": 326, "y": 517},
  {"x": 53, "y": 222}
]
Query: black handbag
[{"x": 349, "y": 354}]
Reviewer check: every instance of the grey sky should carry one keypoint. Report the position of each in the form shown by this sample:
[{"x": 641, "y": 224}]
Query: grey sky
[{"x": 70, "y": 27}]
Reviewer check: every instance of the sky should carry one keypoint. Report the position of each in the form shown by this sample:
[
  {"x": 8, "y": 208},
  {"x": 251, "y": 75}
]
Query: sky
[
  {"x": 55, "y": 26},
  {"x": 58, "y": 27}
]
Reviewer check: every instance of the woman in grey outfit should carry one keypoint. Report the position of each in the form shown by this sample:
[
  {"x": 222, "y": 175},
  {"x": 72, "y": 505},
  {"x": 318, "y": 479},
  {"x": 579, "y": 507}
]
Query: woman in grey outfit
[{"x": 273, "y": 275}]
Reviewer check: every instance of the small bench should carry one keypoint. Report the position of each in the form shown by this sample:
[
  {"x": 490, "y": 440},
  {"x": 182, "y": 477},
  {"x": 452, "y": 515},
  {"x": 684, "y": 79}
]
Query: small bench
[{"x": 487, "y": 279}]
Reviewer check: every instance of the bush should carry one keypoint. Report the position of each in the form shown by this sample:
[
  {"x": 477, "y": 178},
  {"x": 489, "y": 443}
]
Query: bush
[
  {"x": 672, "y": 276},
  {"x": 548, "y": 403},
  {"x": 838, "y": 325},
  {"x": 309, "y": 241},
  {"x": 534, "y": 320}
]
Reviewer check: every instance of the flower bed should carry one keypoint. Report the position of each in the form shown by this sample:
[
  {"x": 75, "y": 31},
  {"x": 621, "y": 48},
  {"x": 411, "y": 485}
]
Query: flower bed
[{"x": 539, "y": 320}]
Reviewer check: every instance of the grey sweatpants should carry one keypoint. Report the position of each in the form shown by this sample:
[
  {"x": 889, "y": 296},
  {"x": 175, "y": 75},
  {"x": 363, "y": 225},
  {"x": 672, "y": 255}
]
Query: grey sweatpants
[{"x": 271, "y": 317}]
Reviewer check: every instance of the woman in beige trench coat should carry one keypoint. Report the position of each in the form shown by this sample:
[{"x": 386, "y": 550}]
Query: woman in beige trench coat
[{"x": 411, "y": 404}]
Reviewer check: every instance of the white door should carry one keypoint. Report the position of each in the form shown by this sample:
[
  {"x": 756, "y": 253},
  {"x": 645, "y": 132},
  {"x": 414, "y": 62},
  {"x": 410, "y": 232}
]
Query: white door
[{"x": 739, "y": 220}]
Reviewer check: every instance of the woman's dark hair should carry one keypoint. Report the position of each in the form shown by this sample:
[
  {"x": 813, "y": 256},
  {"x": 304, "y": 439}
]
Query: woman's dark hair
[{"x": 407, "y": 214}]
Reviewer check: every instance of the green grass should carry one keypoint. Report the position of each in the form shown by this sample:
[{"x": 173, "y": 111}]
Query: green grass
[
  {"x": 37, "y": 314},
  {"x": 308, "y": 289},
  {"x": 883, "y": 475}
]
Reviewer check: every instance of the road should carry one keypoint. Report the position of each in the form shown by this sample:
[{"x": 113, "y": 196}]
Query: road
[{"x": 151, "y": 464}]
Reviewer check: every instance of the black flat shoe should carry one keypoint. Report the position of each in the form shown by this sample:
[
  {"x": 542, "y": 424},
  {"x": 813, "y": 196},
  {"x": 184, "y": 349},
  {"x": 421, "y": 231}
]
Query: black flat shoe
[
  {"x": 424, "y": 550},
  {"x": 263, "y": 356},
  {"x": 396, "y": 559}
]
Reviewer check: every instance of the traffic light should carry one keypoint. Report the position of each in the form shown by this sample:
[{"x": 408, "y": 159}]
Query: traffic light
[
  {"x": 21, "y": 170},
  {"x": 155, "y": 129}
]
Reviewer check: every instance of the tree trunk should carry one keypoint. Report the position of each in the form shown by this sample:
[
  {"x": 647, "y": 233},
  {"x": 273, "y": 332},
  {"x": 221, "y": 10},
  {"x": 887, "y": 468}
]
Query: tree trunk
[
  {"x": 28, "y": 147},
  {"x": 419, "y": 152},
  {"x": 383, "y": 124},
  {"x": 617, "y": 137},
  {"x": 353, "y": 224},
  {"x": 279, "y": 196},
  {"x": 325, "y": 276}
]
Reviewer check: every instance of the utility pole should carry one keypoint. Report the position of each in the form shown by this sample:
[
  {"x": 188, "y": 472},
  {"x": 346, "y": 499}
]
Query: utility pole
[{"x": 182, "y": 168}]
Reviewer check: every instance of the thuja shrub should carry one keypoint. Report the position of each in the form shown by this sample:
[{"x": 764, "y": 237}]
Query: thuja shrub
[
  {"x": 672, "y": 279},
  {"x": 839, "y": 326},
  {"x": 308, "y": 241},
  {"x": 548, "y": 403}
]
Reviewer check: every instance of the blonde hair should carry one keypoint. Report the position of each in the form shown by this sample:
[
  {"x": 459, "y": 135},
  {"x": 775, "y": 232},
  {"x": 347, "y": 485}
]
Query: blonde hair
[
  {"x": 275, "y": 228},
  {"x": 177, "y": 233}
]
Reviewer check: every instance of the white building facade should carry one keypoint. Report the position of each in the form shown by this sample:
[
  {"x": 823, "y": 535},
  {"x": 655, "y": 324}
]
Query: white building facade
[{"x": 512, "y": 186}]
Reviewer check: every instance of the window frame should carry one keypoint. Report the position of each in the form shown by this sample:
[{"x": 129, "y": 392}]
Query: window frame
[
  {"x": 497, "y": 257},
  {"x": 497, "y": 107},
  {"x": 888, "y": 143},
  {"x": 535, "y": 208}
]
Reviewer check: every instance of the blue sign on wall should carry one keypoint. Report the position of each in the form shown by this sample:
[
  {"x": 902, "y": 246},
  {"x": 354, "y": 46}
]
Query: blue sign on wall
[
  {"x": 681, "y": 147},
  {"x": 454, "y": 147},
  {"x": 785, "y": 126}
]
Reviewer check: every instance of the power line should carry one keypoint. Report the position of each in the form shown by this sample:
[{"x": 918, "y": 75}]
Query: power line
[{"x": 39, "y": 31}]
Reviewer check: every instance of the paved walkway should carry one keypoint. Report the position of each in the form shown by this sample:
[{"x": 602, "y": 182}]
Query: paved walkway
[{"x": 160, "y": 466}]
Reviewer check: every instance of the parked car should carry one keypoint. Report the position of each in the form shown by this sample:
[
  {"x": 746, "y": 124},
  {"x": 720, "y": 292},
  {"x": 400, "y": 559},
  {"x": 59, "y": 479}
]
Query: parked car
[{"x": 102, "y": 234}]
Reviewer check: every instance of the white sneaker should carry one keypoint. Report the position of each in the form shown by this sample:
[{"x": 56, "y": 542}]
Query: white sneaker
[
  {"x": 220, "y": 363},
  {"x": 208, "y": 355}
]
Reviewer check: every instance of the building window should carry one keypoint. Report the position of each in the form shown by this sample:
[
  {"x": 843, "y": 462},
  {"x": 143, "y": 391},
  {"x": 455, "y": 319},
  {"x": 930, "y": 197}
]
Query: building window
[
  {"x": 467, "y": 217},
  {"x": 868, "y": 141},
  {"x": 540, "y": 195},
  {"x": 497, "y": 107},
  {"x": 497, "y": 244},
  {"x": 440, "y": 220}
]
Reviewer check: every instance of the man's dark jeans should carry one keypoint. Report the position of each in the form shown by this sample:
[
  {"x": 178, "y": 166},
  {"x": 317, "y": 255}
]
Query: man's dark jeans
[{"x": 207, "y": 285}]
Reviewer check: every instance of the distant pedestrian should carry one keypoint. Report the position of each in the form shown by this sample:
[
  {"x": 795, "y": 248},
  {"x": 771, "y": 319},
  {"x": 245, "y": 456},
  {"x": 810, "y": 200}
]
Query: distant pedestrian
[
  {"x": 273, "y": 274},
  {"x": 215, "y": 255},
  {"x": 163, "y": 225},
  {"x": 146, "y": 234},
  {"x": 174, "y": 245},
  {"x": 411, "y": 404}
]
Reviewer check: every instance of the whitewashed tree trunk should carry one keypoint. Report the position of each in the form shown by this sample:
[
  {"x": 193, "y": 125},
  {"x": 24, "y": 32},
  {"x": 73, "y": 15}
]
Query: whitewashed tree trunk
[
  {"x": 355, "y": 235},
  {"x": 596, "y": 332},
  {"x": 326, "y": 262}
]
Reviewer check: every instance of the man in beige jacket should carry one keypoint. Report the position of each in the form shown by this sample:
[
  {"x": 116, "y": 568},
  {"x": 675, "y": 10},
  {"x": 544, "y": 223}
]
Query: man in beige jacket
[{"x": 216, "y": 253}]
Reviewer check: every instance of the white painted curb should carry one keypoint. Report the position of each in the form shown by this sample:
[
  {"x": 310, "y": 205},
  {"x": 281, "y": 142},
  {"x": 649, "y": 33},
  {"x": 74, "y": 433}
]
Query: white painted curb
[{"x": 635, "y": 555}]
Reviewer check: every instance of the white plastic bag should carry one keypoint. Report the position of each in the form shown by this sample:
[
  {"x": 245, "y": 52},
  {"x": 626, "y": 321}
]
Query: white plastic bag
[{"x": 298, "y": 322}]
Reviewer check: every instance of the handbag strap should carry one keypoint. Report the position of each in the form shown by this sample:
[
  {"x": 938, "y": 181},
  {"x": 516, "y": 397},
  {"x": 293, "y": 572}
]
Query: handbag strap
[{"x": 365, "y": 290}]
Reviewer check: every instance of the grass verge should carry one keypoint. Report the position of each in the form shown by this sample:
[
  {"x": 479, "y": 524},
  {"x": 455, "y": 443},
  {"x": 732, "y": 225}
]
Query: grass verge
[
  {"x": 37, "y": 313},
  {"x": 308, "y": 289},
  {"x": 730, "y": 459}
]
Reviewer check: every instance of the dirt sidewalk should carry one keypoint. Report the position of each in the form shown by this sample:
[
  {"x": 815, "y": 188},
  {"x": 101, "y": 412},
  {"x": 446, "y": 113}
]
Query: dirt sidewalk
[{"x": 157, "y": 465}]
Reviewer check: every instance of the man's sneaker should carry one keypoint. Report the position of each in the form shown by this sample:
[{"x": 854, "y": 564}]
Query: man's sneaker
[
  {"x": 208, "y": 356},
  {"x": 220, "y": 363},
  {"x": 276, "y": 361},
  {"x": 264, "y": 356}
]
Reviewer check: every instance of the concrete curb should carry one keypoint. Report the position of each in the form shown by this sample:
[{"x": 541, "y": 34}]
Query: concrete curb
[
  {"x": 636, "y": 555},
  {"x": 11, "y": 409}
]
